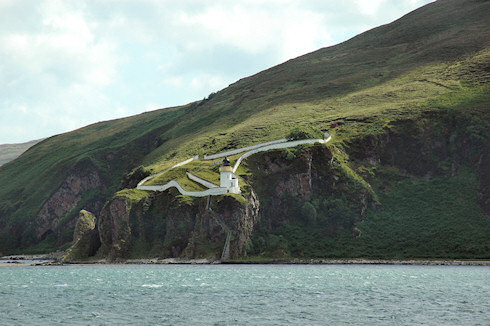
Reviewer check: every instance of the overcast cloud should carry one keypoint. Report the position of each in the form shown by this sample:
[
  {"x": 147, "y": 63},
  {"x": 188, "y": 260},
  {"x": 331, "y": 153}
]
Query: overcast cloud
[{"x": 66, "y": 64}]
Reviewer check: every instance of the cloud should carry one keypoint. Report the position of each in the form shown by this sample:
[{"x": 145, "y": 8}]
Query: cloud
[
  {"x": 252, "y": 28},
  {"x": 206, "y": 82},
  {"x": 65, "y": 64}
]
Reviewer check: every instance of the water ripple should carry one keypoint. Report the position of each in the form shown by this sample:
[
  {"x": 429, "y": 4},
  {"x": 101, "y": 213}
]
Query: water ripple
[{"x": 257, "y": 295}]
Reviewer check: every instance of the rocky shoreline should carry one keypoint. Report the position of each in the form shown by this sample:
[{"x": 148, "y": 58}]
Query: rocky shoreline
[{"x": 56, "y": 259}]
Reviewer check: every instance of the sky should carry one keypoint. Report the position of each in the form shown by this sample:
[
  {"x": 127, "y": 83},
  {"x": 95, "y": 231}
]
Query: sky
[{"x": 65, "y": 64}]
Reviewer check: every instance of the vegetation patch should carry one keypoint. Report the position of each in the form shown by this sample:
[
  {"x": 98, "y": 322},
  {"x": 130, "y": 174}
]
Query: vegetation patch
[{"x": 427, "y": 72}]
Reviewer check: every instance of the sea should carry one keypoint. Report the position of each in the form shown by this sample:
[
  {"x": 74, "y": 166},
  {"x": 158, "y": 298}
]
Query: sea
[{"x": 244, "y": 295}]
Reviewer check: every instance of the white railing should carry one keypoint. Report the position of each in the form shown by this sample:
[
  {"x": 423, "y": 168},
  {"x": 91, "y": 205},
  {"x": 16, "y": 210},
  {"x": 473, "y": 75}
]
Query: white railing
[
  {"x": 202, "y": 181},
  {"x": 173, "y": 183},
  {"x": 214, "y": 189},
  {"x": 194, "y": 158},
  {"x": 288, "y": 144},
  {"x": 243, "y": 149}
]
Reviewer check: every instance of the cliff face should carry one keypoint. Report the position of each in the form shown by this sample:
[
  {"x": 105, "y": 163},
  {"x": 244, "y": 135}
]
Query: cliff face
[
  {"x": 281, "y": 184},
  {"x": 114, "y": 227},
  {"x": 436, "y": 146},
  {"x": 402, "y": 192},
  {"x": 302, "y": 191},
  {"x": 80, "y": 181},
  {"x": 86, "y": 240},
  {"x": 241, "y": 218},
  {"x": 385, "y": 195},
  {"x": 169, "y": 226}
]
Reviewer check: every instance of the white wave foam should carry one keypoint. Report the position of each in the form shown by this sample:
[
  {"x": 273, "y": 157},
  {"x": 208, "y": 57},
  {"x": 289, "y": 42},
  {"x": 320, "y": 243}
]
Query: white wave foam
[{"x": 152, "y": 285}]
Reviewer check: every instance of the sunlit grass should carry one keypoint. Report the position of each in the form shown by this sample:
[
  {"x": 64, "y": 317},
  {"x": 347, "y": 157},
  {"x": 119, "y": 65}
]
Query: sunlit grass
[{"x": 406, "y": 96}]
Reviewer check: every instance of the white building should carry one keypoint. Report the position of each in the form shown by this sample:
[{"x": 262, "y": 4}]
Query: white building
[{"x": 228, "y": 179}]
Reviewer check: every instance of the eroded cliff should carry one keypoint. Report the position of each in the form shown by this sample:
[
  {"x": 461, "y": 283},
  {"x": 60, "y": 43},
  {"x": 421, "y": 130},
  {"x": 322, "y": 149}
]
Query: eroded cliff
[
  {"x": 52, "y": 216},
  {"x": 402, "y": 192},
  {"x": 135, "y": 224}
]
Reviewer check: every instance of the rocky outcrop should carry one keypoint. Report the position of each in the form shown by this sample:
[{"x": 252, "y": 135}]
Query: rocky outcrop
[
  {"x": 86, "y": 239},
  {"x": 114, "y": 229},
  {"x": 241, "y": 219},
  {"x": 165, "y": 225},
  {"x": 438, "y": 144},
  {"x": 286, "y": 179},
  {"x": 83, "y": 178},
  {"x": 284, "y": 173}
]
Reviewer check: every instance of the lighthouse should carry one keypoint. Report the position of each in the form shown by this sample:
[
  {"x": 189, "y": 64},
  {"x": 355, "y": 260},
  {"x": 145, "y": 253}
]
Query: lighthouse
[{"x": 228, "y": 179}]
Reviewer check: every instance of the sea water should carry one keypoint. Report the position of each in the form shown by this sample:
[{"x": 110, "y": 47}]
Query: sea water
[{"x": 244, "y": 295}]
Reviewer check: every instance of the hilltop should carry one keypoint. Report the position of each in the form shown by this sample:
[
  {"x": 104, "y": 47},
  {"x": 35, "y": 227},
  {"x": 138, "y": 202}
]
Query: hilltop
[
  {"x": 9, "y": 152},
  {"x": 404, "y": 175}
]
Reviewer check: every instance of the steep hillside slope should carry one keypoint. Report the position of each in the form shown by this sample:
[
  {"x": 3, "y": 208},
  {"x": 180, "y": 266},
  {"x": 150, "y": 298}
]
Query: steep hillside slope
[
  {"x": 406, "y": 103},
  {"x": 9, "y": 152}
]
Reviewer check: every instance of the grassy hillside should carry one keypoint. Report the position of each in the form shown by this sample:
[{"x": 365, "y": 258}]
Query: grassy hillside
[
  {"x": 396, "y": 67},
  {"x": 431, "y": 59},
  {"x": 9, "y": 152},
  {"x": 114, "y": 147}
]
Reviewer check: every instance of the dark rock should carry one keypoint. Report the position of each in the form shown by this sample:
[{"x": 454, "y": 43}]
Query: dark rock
[{"x": 85, "y": 238}]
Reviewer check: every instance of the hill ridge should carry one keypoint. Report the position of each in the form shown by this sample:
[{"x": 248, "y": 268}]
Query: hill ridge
[{"x": 431, "y": 62}]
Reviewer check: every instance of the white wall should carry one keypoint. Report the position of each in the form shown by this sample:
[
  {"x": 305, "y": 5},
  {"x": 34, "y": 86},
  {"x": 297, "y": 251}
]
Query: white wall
[
  {"x": 243, "y": 149},
  {"x": 173, "y": 183},
  {"x": 205, "y": 183},
  {"x": 278, "y": 146},
  {"x": 214, "y": 189}
]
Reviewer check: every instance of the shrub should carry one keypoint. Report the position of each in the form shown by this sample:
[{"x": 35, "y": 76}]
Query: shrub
[
  {"x": 288, "y": 155},
  {"x": 309, "y": 213},
  {"x": 132, "y": 178}
]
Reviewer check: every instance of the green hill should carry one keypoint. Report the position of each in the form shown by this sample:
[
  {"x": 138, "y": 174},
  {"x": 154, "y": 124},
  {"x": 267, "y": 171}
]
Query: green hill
[
  {"x": 9, "y": 152},
  {"x": 407, "y": 105}
]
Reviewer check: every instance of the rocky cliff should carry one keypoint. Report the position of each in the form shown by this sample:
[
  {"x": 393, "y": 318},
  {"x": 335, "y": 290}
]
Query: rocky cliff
[
  {"x": 136, "y": 224},
  {"x": 168, "y": 225},
  {"x": 406, "y": 174},
  {"x": 79, "y": 182},
  {"x": 86, "y": 240},
  {"x": 331, "y": 200}
]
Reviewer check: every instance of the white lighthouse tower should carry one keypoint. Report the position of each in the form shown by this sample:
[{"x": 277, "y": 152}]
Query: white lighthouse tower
[{"x": 228, "y": 179}]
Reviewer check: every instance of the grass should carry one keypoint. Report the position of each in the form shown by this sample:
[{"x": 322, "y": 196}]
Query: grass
[
  {"x": 58, "y": 156},
  {"x": 205, "y": 169},
  {"x": 436, "y": 218},
  {"x": 364, "y": 112},
  {"x": 439, "y": 218},
  {"x": 134, "y": 195},
  {"x": 434, "y": 59},
  {"x": 399, "y": 98}
]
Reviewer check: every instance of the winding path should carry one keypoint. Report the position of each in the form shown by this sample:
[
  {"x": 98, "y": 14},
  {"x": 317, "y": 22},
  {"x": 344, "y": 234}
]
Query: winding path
[{"x": 213, "y": 189}]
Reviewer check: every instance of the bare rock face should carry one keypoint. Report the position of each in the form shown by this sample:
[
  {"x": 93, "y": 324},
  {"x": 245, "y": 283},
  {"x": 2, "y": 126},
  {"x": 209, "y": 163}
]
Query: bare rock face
[
  {"x": 167, "y": 226},
  {"x": 297, "y": 181},
  {"x": 114, "y": 230},
  {"x": 85, "y": 238},
  {"x": 83, "y": 178},
  {"x": 282, "y": 179},
  {"x": 241, "y": 218}
]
